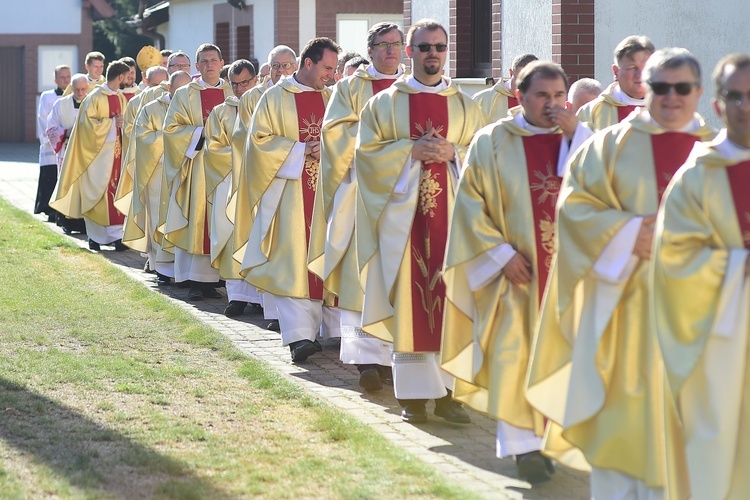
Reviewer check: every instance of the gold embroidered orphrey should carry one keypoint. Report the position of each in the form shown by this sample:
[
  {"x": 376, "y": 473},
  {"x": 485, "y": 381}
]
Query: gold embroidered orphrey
[
  {"x": 312, "y": 165},
  {"x": 430, "y": 302},
  {"x": 429, "y": 190},
  {"x": 423, "y": 130},
  {"x": 549, "y": 185}
]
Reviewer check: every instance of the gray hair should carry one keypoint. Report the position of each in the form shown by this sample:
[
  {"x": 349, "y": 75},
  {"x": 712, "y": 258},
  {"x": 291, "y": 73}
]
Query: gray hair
[
  {"x": 584, "y": 86},
  {"x": 154, "y": 70},
  {"x": 281, "y": 49},
  {"x": 672, "y": 58},
  {"x": 77, "y": 77}
]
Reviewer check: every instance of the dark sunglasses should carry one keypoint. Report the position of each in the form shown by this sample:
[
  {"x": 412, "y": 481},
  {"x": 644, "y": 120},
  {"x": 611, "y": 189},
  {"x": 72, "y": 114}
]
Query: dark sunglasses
[
  {"x": 663, "y": 88},
  {"x": 425, "y": 47}
]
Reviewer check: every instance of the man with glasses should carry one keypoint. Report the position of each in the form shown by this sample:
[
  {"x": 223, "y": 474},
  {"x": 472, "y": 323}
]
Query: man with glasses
[
  {"x": 218, "y": 159},
  {"x": 282, "y": 62},
  {"x": 411, "y": 142},
  {"x": 497, "y": 100},
  {"x": 186, "y": 226},
  {"x": 595, "y": 370},
  {"x": 701, "y": 299},
  {"x": 283, "y": 155},
  {"x": 627, "y": 92},
  {"x": 335, "y": 260}
]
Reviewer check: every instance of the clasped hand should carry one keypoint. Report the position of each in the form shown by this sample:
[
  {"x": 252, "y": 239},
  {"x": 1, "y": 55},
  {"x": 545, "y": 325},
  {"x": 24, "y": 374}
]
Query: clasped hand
[
  {"x": 433, "y": 148},
  {"x": 312, "y": 148}
]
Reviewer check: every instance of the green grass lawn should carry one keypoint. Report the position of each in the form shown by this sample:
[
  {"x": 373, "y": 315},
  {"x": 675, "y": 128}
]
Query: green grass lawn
[{"x": 109, "y": 391}]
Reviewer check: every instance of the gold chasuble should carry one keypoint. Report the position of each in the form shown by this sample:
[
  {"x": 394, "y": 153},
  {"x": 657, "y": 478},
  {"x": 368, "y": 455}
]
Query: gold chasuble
[
  {"x": 403, "y": 208},
  {"x": 238, "y": 208},
  {"x": 148, "y": 153},
  {"x": 507, "y": 196},
  {"x": 496, "y": 101},
  {"x": 91, "y": 168},
  {"x": 125, "y": 186},
  {"x": 701, "y": 301},
  {"x": 605, "y": 110},
  {"x": 595, "y": 369},
  {"x": 275, "y": 258},
  {"x": 218, "y": 165},
  {"x": 333, "y": 249},
  {"x": 186, "y": 224}
]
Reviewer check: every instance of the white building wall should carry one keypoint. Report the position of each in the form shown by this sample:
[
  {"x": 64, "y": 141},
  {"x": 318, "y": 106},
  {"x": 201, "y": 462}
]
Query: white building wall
[
  {"x": 526, "y": 29},
  {"x": 439, "y": 10},
  {"x": 709, "y": 29},
  {"x": 191, "y": 22},
  {"x": 45, "y": 16}
]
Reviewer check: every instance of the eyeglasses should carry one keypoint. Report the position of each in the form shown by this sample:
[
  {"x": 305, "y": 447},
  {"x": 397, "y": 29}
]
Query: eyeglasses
[
  {"x": 180, "y": 66},
  {"x": 243, "y": 83},
  {"x": 386, "y": 45},
  {"x": 426, "y": 47},
  {"x": 285, "y": 65},
  {"x": 663, "y": 88},
  {"x": 734, "y": 97}
]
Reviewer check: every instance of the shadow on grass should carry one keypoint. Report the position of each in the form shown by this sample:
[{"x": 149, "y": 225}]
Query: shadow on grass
[{"x": 89, "y": 456}]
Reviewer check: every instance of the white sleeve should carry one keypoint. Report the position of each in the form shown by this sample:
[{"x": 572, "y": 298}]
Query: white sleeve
[
  {"x": 195, "y": 142},
  {"x": 487, "y": 266},
  {"x": 567, "y": 149},
  {"x": 294, "y": 163},
  {"x": 617, "y": 258},
  {"x": 402, "y": 184}
]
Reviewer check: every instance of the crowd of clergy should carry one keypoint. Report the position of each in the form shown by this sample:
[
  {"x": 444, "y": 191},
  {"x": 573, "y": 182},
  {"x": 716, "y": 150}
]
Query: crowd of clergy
[{"x": 569, "y": 260}]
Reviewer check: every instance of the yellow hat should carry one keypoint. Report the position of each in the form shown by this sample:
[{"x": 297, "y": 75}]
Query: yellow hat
[{"x": 148, "y": 56}]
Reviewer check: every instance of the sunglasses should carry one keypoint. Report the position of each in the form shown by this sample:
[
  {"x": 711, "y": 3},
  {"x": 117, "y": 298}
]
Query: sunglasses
[
  {"x": 386, "y": 45},
  {"x": 734, "y": 97},
  {"x": 426, "y": 47},
  {"x": 681, "y": 88}
]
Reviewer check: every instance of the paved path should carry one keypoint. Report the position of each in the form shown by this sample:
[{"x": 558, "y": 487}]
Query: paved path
[{"x": 465, "y": 454}]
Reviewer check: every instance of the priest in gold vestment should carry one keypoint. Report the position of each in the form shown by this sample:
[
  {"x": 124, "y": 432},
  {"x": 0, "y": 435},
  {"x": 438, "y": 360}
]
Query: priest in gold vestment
[
  {"x": 595, "y": 369},
  {"x": 282, "y": 62},
  {"x": 500, "y": 247},
  {"x": 701, "y": 298},
  {"x": 282, "y": 161},
  {"x": 411, "y": 142},
  {"x": 91, "y": 168},
  {"x": 497, "y": 100},
  {"x": 186, "y": 225},
  {"x": 94, "y": 64},
  {"x": 335, "y": 261},
  {"x": 219, "y": 186}
]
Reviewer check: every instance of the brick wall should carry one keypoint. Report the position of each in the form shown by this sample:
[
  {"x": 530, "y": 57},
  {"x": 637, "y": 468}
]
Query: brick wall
[
  {"x": 573, "y": 37},
  {"x": 287, "y": 24}
]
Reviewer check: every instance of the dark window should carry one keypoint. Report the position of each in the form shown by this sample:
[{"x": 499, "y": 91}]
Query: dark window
[
  {"x": 481, "y": 30},
  {"x": 244, "y": 43},
  {"x": 221, "y": 37}
]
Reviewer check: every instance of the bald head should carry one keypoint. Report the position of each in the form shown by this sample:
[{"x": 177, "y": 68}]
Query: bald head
[
  {"x": 155, "y": 75},
  {"x": 176, "y": 80}
]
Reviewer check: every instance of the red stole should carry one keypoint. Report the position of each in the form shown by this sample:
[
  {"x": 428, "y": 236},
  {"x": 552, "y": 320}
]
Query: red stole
[
  {"x": 128, "y": 95},
  {"x": 210, "y": 98},
  {"x": 739, "y": 182},
  {"x": 429, "y": 232},
  {"x": 624, "y": 111},
  {"x": 381, "y": 85},
  {"x": 542, "y": 152},
  {"x": 671, "y": 149},
  {"x": 310, "y": 111},
  {"x": 512, "y": 102},
  {"x": 115, "y": 217}
]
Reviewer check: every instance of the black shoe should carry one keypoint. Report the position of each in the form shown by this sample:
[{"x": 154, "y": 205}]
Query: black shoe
[
  {"x": 147, "y": 268},
  {"x": 52, "y": 217},
  {"x": 66, "y": 230},
  {"x": 162, "y": 279},
  {"x": 301, "y": 350},
  {"x": 195, "y": 293},
  {"x": 210, "y": 292},
  {"x": 369, "y": 380},
  {"x": 533, "y": 467},
  {"x": 235, "y": 308},
  {"x": 386, "y": 374},
  {"x": 93, "y": 245},
  {"x": 318, "y": 347},
  {"x": 120, "y": 246},
  {"x": 184, "y": 284},
  {"x": 451, "y": 411},
  {"x": 414, "y": 413},
  {"x": 274, "y": 326}
]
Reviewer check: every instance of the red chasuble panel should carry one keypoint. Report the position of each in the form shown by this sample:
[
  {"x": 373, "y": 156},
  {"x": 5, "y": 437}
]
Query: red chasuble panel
[
  {"x": 429, "y": 232},
  {"x": 739, "y": 182},
  {"x": 624, "y": 111},
  {"x": 210, "y": 98},
  {"x": 381, "y": 85},
  {"x": 512, "y": 102},
  {"x": 310, "y": 111},
  {"x": 115, "y": 217},
  {"x": 542, "y": 152},
  {"x": 671, "y": 149},
  {"x": 128, "y": 95}
]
